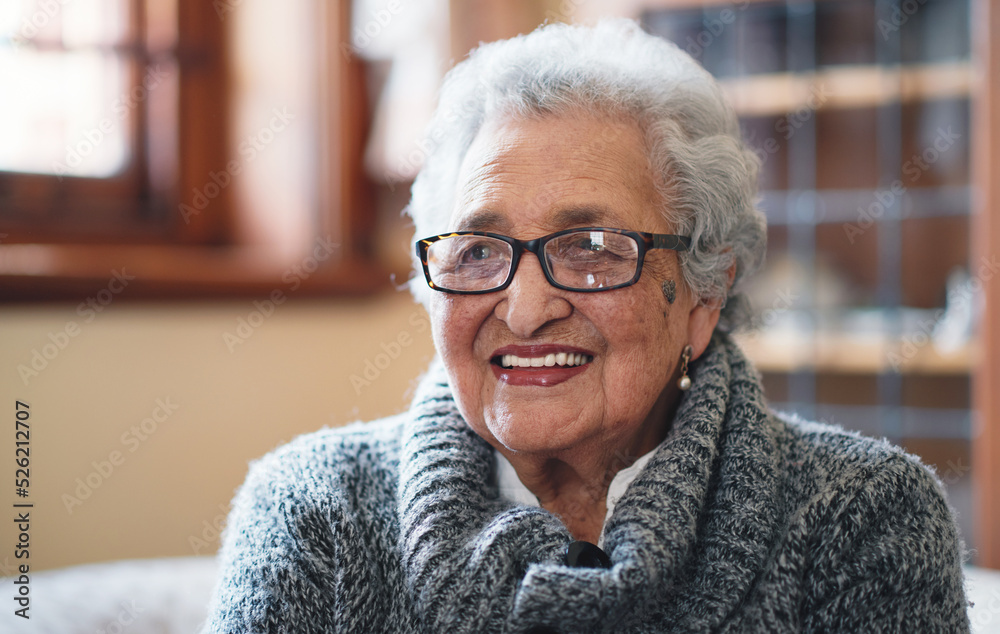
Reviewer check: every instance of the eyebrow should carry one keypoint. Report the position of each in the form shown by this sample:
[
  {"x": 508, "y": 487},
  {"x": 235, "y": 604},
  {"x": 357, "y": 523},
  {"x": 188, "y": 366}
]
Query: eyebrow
[
  {"x": 586, "y": 215},
  {"x": 484, "y": 221}
]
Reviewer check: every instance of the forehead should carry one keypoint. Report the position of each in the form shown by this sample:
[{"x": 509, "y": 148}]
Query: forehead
[{"x": 525, "y": 176}]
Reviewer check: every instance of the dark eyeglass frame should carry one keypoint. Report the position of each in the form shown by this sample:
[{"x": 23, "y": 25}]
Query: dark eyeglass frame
[{"x": 644, "y": 241}]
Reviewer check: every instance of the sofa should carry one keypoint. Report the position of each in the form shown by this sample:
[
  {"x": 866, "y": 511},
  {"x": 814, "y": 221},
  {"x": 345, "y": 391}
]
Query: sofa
[{"x": 170, "y": 596}]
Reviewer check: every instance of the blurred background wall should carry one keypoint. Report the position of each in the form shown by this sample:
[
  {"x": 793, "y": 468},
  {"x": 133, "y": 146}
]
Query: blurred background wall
[
  {"x": 201, "y": 247},
  {"x": 143, "y": 424}
]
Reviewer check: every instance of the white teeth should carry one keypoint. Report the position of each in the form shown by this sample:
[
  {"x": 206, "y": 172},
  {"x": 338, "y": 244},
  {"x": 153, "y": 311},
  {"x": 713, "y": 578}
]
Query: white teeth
[{"x": 549, "y": 360}]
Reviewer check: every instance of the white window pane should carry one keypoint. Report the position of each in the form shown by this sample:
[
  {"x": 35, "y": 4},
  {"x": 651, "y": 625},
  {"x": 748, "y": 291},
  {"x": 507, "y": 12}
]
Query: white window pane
[
  {"x": 22, "y": 21},
  {"x": 62, "y": 109},
  {"x": 94, "y": 22},
  {"x": 72, "y": 23},
  {"x": 63, "y": 113}
]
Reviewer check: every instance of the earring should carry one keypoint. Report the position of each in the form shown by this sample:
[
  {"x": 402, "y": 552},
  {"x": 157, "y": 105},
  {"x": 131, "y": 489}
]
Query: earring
[
  {"x": 684, "y": 383},
  {"x": 669, "y": 290}
]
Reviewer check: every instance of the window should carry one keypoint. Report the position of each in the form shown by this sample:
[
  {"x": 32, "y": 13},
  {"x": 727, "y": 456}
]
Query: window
[{"x": 158, "y": 135}]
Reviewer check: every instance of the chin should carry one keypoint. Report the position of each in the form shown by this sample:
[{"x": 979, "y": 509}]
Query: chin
[{"x": 527, "y": 436}]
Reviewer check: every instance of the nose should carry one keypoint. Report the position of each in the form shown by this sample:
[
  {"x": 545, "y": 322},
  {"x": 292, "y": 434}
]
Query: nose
[{"x": 530, "y": 302}]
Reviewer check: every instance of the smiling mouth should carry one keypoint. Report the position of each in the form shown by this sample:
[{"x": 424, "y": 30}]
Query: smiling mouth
[
  {"x": 539, "y": 365},
  {"x": 551, "y": 360}
]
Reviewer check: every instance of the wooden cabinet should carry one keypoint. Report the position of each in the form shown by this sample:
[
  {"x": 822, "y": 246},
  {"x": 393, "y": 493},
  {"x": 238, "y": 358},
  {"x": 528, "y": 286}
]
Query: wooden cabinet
[{"x": 876, "y": 126}]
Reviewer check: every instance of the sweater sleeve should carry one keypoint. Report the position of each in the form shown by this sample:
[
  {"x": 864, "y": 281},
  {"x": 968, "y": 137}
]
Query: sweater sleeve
[
  {"x": 888, "y": 557},
  {"x": 278, "y": 552}
]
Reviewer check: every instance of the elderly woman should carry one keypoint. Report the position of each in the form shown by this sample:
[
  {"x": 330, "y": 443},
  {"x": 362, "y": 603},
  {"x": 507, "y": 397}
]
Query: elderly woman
[{"x": 591, "y": 452}]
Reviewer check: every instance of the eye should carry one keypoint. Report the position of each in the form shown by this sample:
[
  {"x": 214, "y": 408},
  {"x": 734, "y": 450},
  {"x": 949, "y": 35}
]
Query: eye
[
  {"x": 577, "y": 246},
  {"x": 587, "y": 245},
  {"x": 591, "y": 246},
  {"x": 478, "y": 253}
]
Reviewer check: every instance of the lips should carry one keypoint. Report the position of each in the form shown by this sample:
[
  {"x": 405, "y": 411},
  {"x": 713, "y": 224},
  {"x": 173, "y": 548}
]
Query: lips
[{"x": 542, "y": 365}]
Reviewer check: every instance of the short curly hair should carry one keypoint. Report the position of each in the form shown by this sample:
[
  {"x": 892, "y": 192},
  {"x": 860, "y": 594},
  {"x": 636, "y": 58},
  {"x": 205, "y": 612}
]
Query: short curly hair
[{"x": 706, "y": 175}]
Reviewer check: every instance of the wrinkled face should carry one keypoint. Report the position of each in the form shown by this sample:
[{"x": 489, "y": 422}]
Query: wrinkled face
[{"x": 616, "y": 352}]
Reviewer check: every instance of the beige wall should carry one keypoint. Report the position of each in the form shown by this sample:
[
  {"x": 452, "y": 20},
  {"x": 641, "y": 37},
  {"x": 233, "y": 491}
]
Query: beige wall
[{"x": 173, "y": 482}]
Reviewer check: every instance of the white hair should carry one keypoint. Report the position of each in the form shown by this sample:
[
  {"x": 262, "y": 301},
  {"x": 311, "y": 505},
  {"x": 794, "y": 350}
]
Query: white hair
[{"x": 705, "y": 174}]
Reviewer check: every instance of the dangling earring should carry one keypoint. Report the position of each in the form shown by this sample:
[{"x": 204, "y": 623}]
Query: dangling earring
[{"x": 684, "y": 383}]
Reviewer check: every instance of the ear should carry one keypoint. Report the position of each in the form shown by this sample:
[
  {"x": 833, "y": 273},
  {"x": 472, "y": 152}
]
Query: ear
[
  {"x": 703, "y": 318},
  {"x": 701, "y": 323}
]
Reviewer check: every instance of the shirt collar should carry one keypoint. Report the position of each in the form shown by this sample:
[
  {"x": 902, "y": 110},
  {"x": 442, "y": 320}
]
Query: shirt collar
[{"x": 514, "y": 490}]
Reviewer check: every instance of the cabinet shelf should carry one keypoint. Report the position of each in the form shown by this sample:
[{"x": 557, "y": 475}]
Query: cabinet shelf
[
  {"x": 851, "y": 353},
  {"x": 782, "y": 207},
  {"x": 847, "y": 87}
]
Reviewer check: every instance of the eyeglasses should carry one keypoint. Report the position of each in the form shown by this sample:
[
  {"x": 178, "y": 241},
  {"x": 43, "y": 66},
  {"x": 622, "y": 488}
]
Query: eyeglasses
[{"x": 586, "y": 260}]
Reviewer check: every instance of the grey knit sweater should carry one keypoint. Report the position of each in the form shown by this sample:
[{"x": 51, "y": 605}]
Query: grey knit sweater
[{"x": 742, "y": 521}]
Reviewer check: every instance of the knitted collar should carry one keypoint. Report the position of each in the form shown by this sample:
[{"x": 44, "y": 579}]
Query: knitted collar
[{"x": 475, "y": 562}]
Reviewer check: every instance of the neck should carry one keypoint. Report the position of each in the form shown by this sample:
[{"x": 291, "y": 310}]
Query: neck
[{"x": 573, "y": 484}]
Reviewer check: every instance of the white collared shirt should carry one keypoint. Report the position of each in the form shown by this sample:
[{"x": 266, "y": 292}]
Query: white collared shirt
[{"x": 513, "y": 489}]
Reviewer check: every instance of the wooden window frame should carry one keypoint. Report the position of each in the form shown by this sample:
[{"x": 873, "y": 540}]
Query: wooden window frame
[
  {"x": 204, "y": 257},
  {"x": 986, "y": 241},
  {"x": 50, "y": 208}
]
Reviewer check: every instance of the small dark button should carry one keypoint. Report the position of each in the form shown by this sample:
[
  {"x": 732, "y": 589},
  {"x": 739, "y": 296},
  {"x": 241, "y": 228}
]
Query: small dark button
[{"x": 586, "y": 555}]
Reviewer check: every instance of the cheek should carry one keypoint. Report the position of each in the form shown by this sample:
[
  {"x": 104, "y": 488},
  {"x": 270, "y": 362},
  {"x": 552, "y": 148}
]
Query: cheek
[
  {"x": 449, "y": 326},
  {"x": 454, "y": 327},
  {"x": 640, "y": 339},
  {"x": 637, "y": 321}
]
